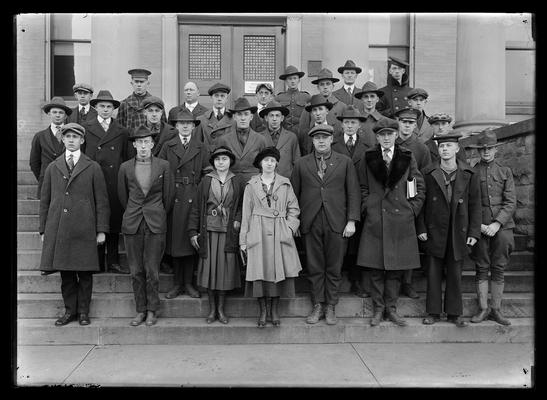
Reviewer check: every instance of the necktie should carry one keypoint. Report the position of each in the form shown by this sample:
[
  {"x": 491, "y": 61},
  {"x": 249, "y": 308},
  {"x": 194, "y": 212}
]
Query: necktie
[
  {"x": 350, "y": 143},
  {"x": 185, "y": 142},
  {"x": 58, "y": 133},
  {"x": 322, "y": 167},
  {"x": 70, "y": 162},
  {"x": 349, "y": 91},
  {"x": 104, "y": 125},
  {"x": 82, "y": 113},
  {"x": 219, "y": 115},
  {"x": 387, "y": 158}
]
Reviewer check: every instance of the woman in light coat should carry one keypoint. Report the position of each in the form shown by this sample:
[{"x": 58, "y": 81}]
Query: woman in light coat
[{"x": 269, "y": 220}]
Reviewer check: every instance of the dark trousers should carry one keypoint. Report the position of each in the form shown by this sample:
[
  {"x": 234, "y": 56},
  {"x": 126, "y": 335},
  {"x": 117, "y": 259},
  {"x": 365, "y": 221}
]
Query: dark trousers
[
  {"x": 111, "y": 248},
  {"x": 183, "y": 269},
  {"x": 492, "y": 254},
  {"x": 384, "y": 288},
  {"x": 324, "y": 256},
  {"x": 76, "y": 288},
  {"x": 453, "y": 304},
  {"x": 144, "y": 250}
]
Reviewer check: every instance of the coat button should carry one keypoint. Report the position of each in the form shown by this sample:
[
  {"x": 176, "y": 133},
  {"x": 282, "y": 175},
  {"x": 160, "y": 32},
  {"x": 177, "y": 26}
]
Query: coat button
[
  {"x": 189, "y": 200},
  {"x": 64, "y": 177},
  {"x": 111, "y": 166},
  {"x": 99, "y": 148},
  {"x": 460, "y": 201},
  {"x": 395, "y": 98},
  {"x": 396, "y": 210},
  {"x": 276, "y": 213},
  {"x": 274, "y": 197},
  {"x": 66, "y": 193},
  {"x": 176, "y": 185},
  {"x": 434, "y": 198},
  {"x": 65, "y": 210},
  {"x": 176, "y": 200},
  {"x": 112, "y": 148}
]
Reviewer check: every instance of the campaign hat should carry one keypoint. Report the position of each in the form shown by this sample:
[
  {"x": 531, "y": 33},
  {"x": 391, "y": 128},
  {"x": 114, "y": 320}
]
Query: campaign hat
[
  {"x": 291, "y": 70},
  {"x": 369, "y": 87},
  {"x": 324, "y": 74},
  {"x": 485, "y": 139}
]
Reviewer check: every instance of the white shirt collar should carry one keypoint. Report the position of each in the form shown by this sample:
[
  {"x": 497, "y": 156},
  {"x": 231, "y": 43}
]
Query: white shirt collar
[
  {"x": 190, "y": 107},
  {"x": 182, "y": 138},
  {"x": 390, "y": 152},
  {"x": 348, "y": 86},
  {"x": 216, "y": 111},
  {"x": 75, "y": 155},
  {"x": 101, "y": 119},
  {"x": 53, "y": 128},
  {"x": 86, "y": 108},
  {"x": 346, "y": 138}
]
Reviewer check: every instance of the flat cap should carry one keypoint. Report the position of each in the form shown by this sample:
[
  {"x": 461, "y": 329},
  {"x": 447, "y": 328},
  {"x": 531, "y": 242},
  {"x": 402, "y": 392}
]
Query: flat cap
[
  {"x": 408, "y": 112},
  {"x": 152, "y": 100},
  {"x": 73, "y": 127},
  {"x": 322, "y": 128},
  {"x": 264, "y": 85},
  {"x": 82, "y": 86},
  {"x": 219, "y": 87},
  {"x": 417, "y": 92},
  {"x": 439, "y": 117},
  {"x": 139, "y": 73},
  {"x": 385, "y": 124}
]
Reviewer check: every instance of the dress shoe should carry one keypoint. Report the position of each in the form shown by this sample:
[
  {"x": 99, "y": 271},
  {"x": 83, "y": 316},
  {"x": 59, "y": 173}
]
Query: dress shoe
[
  {"x": 117, "y": 269},
  {"x": 409, "y": 291},
  {"x": 83, "y": 319},
  {"x": 395, "y": 318},
  {"x": 176, "y": 291},
  {"x": 211, "y": 318},
  {"x": 43, "y": 273},
  {"x": 151, "y": 318},
  {"x": 480, "y": 316},
  {"x": 192, "y": 292},
  {"x": 457, "y": 320},
  {"x": 431, "y": 319},
  {"x": 65, "y": 319},
  {"x": 362, "y": 293},
  {"x": 377, "y": 318},
  {"x": 330, "y": 315},
  {"x": 165, "y": 268},
  {"x": 495, "y": 315},
  {"x": 316, "y": 314},
  {"x": 139, "y": 319}
]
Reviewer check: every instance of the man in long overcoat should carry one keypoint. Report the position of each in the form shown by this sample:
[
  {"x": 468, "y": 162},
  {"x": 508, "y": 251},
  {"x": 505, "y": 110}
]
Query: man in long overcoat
[
  {"x": 293, "y": 98},
  {"x": 326, "y": 185},
  {"x": 74, "y": 217},
  {"x": 83, "y": 112},
  {"x": 396, "y": 89},
  {"x": 449, "y": 224},
  {"x": 107, "y": 143},
  {"x": 189, "y": 160},
  {"x": 47, "y": 144},
  {"x": 388, "y": 243},
  {"x": 351, "y": 143}
]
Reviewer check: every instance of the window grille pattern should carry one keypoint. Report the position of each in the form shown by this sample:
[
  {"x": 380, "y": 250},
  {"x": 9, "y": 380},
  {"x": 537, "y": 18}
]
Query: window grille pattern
[
  {"x": 259, "y": 58},
  {"x": 204, "y": 56}
]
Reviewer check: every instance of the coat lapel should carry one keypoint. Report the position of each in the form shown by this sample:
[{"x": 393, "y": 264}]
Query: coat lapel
[
  {"x": 283, "y": 138},
  {"x": 53, "y": 142},
  {"x": 111, "y": 133},
  {"x": 332, "y": 163},
  {"x": 439, "y": 178},
  {"x": 461, "y": 182},
  {"x": 312, "y": 166},
  {"x": 61, "y": 164},
  {"x": 234, "y": 144},
  {"x": 190, "y": 152},
  {"x": 251, "y": 140},
  {"x": 81, "y": 165}
]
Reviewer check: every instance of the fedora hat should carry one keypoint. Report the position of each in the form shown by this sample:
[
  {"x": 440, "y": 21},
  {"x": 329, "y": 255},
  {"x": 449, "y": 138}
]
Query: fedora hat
[
  {"x": 349, "y": 65},
  {"x": 219, "y": 151},
  {"x": 291, "y": 70},
  {"x": 369, "y": 87},
  {"x": 186, "y": 116},
  {"x": 324, "y": 74},
  {"x": 350, "y": 112},
  {"x": 273, "y": 106},
  {"x": 318, "y": 100},
  {"x": 74, "y": 127},
  {"x": 242, "y": 104},
  {"x": 486, "y": 138},
  {"x": 266, "y": 152},
  {"x": 104, "y": 95},
  {"x": 140, "y": 132},
  {"x": 57, "y": 102}
]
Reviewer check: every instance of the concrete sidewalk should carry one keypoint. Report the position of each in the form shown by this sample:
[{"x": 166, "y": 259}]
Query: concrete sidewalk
[{"x": 280, "y": 365}]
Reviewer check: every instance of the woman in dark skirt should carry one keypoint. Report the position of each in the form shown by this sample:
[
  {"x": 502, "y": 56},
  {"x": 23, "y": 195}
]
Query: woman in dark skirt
[
  {"x": 213, "y": 227},
  {"x": 269, "y": 220}
]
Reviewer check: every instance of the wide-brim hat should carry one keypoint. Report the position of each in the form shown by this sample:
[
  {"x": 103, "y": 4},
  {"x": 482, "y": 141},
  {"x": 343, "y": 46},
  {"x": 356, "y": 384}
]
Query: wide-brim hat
[
  {"x": 417, "y": 92},
  {"x": 104, "y": 95},
  {"x": 408, "y": 112},
  {"x": 291, "y": 70},
  {"x": 74, "y": 127},
  {"x": 318, "y": 100},
  {"x": 369, "y": 87},
  {"x": 385, "y": 124},
  {"x": 82, "y": 86},
  {"x": 349, "y": 65},
  {"x": 222, "y": 150},
  {"x": 186, "y": 116},
  {"x": 57, "y": 102},
  {"x": 324, "y": 74},
  {"x": 485, "y": 139},
  {"x": 242, "y": 104},
  {"x": 140, "y": 132},
  {"x": 219, "y": 87},
  {"x": 321, "y": 128},
  {"x": 266, "y": 152},
  {"x": 350, "y": 112},
  {"x": 152, "y": 100},
  {"x": 273, "y": 106}
]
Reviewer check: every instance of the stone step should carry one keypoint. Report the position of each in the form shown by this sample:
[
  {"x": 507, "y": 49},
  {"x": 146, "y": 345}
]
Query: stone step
[
  {"x": 28, "y": 207},
  {"x": 23, "y": 165},
  {"x": 26, "y": 178},
  {"x": 27, "y": 223},
  {"x": 122, "y": 305},
  {"x": 26, "y": 192},
  {"x": 195, "y": 331},
  {"x": 33, "y": 282}
]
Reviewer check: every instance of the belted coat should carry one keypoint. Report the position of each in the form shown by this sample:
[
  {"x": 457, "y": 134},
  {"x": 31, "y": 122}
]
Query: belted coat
[
  {"x": 45, "y": 148},
  {"x": 73, "y": 209}
]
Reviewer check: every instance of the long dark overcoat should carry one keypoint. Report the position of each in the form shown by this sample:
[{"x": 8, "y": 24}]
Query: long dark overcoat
[
  {"x": 394, "y": 97},
  {"x": 342, "y": 95},
  {"x": 167, "y": 132},
  {"x": 388, "y": 238},
  {"x": 196, "y": 112},
  {"x": 45, "y": 148},
  {"x": 75, "y": 116},
  {"x": 73, "y": 209},
  {"x": 463, "y": 214},
  {"x": 188, "y": 167},
  {"x": 110, "y": 150},
  {"x": 211, "y": 130}
]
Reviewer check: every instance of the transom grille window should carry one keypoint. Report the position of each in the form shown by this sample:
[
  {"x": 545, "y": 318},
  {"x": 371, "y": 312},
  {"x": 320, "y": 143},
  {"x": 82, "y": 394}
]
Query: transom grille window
[
  {"x": 204, "y": 56},
  {"x": 258, "y": 58}
]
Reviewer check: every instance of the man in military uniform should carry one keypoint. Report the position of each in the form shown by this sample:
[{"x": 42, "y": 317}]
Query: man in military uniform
[
  {"x": 191, "y": 97},
  {"x": 346, "y": 94},
  {"x": 217, "y": 122},
  {"x": 83, "y": 112},
  {"x": 370, "y": 95},
  {"x": 396, "y": 90},
  {"x": 417, "y": 98},
  {"x": 295, "y": 100},
  {"x": 499, "y": 203},
  {"x": 440, "y": 125},
  {"x": 264, "y": 94},
  {"x": 130, "y": 113}
]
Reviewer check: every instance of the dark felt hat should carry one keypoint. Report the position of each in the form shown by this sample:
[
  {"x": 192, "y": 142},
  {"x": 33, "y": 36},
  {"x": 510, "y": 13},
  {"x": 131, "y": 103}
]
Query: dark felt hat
[
  {"x": 141, "y": 132},
  {"x": 264, "y": 85},
  {"x": 273, "y": 106},
  {"x": 267, "y": 152},
  {"x": 417, "y": 92},
  {"x": 57, "y": 102},
  {"x": 318, "y": 100},
  {"x": 408, "y": 112},
  {"x": 449, "y": 137},
  {"x": 291, "y": 70},
  {"x": 222, "y": 150},
  {"x": 349, "y": 65},
  {"x": 486, "y": 138},
  {"x": 351, "y": 112},
  {"x": 322, "y": 128},
  {"x": 104, "y": 95},
  {"x": 152, "y": 100},
  {"x": 82, "y": 86},
  {"x": 139, "y": 73},
  {"x": 385, "y": 124},
  {"x": 397, "y": 61},
  {"x": 439, "y": 117},
  {"x": 74, "y": 127},
  {"x": 186, "y": 116},
  {"x": 324, "y": 74},
  {"x": 242, "y": 104},
  {"x": 369, "y": 87},
  {"x": 219, "y": 87}
]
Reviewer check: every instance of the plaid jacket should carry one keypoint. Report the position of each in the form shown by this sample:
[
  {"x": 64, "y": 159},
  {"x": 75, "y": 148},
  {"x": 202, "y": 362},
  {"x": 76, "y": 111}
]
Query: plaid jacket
[{"x": 130, "y": 115}]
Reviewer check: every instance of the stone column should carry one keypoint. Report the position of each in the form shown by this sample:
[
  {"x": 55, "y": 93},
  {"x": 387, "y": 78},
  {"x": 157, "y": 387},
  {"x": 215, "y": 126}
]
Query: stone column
[{"x": 480, "y": 73}]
